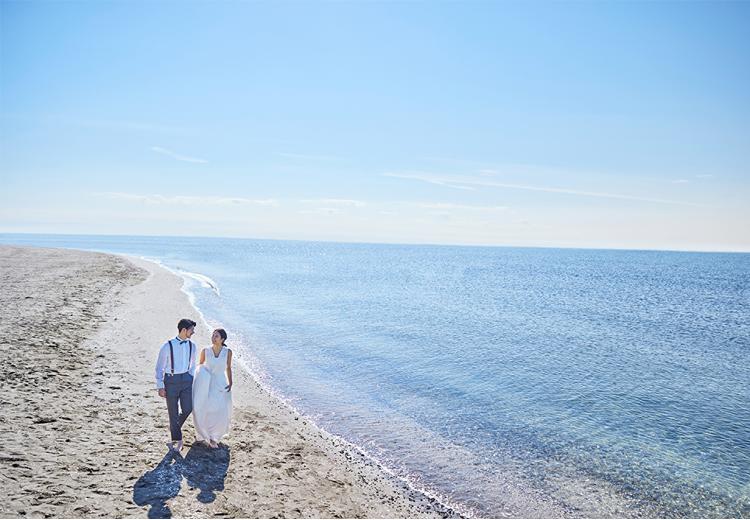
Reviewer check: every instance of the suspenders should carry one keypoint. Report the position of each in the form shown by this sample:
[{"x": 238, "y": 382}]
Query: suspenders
[{"x": 171, "y": 355}]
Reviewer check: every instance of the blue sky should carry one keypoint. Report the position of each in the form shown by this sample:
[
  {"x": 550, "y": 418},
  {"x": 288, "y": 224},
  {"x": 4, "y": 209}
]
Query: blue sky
[{"x": 566, "y": 124}]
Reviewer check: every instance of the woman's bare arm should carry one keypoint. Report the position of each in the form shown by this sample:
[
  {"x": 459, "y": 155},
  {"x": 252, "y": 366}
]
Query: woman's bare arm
[{"x": 229, "y": 370}]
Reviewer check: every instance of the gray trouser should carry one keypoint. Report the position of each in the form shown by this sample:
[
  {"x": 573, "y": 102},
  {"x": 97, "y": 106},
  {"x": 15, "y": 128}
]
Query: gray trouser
[{"x": 179, "y": 389}]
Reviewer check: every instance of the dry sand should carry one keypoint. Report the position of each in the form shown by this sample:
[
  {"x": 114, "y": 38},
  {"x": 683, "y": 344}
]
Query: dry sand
[{"x": 83, "y": 429}]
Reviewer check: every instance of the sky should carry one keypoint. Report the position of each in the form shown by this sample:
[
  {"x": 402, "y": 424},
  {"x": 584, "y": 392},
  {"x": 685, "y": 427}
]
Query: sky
[{"x": 552, "y": 124}]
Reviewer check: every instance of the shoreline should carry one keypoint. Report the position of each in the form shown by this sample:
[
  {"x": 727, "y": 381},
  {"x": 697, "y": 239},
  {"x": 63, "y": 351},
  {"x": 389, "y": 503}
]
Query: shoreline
[
  {"x": 101, "y": 442},
  {"x": 253, "y": 390},
  {"x": 353, "y": 452}
]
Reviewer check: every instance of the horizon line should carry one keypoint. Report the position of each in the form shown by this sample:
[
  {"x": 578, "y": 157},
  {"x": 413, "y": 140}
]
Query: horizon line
[{"x": 366, "y": 242}]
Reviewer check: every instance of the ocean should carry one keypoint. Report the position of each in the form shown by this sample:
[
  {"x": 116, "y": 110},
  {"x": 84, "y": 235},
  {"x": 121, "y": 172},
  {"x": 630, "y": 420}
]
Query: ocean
[{"x": 503, "y": 381}]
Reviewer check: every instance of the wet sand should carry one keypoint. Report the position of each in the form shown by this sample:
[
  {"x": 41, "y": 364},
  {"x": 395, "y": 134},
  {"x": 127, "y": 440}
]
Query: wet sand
[{"x": 83, "y": 428}]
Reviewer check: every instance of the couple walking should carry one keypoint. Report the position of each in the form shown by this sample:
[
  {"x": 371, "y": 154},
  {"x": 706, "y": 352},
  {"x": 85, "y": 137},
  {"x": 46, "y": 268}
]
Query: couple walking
[{"x": 201, "y": 387}]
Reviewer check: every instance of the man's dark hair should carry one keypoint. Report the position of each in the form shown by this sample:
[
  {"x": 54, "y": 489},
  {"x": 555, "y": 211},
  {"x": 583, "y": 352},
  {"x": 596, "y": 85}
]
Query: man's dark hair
[{"x": 185, "y": 324}]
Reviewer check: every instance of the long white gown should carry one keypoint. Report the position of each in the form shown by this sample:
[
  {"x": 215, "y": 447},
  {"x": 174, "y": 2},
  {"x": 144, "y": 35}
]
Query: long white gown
[{"x": 212, "y": 404}]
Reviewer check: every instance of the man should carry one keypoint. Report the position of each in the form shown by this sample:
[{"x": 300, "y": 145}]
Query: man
[{"x": 175, "y": 367}]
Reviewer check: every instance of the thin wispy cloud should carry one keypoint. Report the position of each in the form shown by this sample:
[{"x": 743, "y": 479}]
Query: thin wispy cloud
[
  {"x": 188, "y": 200},
  {"x": 176, "y": 156},
  {"x": 680, "y": 181},
  {"x": 471, "y": 181},
  {"x": 705, "y": 176}
]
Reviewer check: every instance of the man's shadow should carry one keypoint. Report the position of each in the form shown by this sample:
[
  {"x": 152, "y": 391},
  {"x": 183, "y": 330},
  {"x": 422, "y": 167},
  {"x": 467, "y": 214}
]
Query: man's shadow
[{"x": 203, "y": 468}]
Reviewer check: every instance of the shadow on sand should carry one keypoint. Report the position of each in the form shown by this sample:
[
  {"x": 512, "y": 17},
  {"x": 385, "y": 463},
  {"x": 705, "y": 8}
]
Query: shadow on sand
[{"x": 203, "y": 468}]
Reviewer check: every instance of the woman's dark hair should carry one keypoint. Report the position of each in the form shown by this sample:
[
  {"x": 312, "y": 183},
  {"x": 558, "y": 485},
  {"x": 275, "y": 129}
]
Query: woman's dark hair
[
  {"x": 223, "y": 335},
  {"x": 185, "y": 324}
]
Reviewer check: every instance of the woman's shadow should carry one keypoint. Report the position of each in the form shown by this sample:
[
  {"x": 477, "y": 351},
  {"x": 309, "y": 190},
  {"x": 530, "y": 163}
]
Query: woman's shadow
[{"x": 203, "y": 468}]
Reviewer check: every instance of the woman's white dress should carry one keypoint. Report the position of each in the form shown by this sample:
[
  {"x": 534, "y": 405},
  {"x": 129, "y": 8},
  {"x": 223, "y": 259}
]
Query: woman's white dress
[{"x": 212, "y": 404}]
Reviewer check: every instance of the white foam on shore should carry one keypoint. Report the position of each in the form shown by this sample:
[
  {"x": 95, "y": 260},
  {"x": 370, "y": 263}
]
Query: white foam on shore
[{"x": 204, "y": 280}]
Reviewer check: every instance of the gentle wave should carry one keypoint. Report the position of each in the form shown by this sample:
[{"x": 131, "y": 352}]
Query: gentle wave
[{"x": 202, "y": 279}]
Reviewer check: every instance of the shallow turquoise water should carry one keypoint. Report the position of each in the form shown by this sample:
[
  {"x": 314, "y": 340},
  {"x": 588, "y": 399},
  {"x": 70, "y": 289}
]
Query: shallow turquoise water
[{"x": 506, "y": 381}]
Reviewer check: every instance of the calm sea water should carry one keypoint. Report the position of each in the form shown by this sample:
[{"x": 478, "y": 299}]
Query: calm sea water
[{"x": 505, "y": 381}]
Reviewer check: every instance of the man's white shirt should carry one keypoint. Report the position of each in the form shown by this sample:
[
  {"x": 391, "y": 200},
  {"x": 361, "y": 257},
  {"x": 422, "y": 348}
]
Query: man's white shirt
[{"x": 182, "y": 361}]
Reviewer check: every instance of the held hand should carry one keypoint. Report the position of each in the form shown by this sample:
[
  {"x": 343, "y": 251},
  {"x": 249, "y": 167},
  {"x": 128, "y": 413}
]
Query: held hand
[{"x": 162, "y": 392}]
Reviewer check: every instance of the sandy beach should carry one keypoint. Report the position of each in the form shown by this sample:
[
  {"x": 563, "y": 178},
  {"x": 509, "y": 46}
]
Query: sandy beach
[{"x": 83, "y": 428}]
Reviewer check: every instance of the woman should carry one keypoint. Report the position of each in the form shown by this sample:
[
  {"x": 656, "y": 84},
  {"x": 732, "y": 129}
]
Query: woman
[{"x": 212, "y": 384}]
